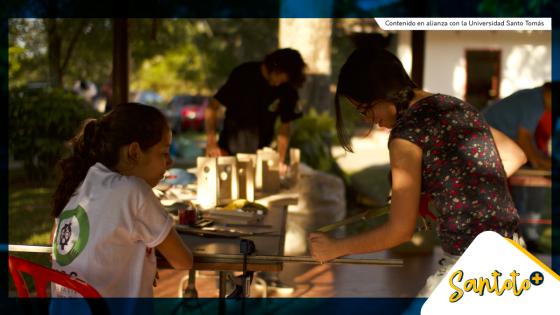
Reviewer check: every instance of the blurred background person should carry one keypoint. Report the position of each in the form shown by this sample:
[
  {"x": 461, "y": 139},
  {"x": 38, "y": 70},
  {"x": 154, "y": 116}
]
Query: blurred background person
[
  {"x": 107, "y": 91},
  {"x": 85, "y": 89},
  {"x": 255, "y": 95},
  {"x": 525, "y": 116}
]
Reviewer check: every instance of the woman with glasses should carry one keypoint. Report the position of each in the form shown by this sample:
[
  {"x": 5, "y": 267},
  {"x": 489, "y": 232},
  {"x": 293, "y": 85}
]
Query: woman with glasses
[{"x": 442, "y": 152}]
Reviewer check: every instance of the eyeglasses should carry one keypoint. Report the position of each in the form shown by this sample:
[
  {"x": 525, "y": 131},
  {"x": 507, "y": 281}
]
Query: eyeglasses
[{"x": 364, "y": 109}]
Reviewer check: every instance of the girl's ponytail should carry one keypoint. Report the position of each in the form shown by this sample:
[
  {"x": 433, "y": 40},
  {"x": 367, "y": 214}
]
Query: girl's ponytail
[
  {"x": 74, "y": 168},
  {"x": 88, "y": 138}
]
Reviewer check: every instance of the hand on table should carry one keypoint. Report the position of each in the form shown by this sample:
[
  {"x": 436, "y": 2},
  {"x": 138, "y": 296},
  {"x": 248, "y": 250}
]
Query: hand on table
[
  {"x": 156, "y": 278},
  {"x": 323, "y": 247},
  {"x": 213, "y": 150},
  {"x": 283, "y": 169}
]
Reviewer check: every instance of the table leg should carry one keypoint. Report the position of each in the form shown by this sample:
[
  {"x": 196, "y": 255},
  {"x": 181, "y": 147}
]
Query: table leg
[
  {"x": 222, "y": 275},
  {"x": 190, "y": 290},
  {"x": 222, "y": 280}
]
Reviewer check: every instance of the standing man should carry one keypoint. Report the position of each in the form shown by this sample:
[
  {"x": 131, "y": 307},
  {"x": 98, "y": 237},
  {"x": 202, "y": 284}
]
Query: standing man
[{"x": 255, "y": 95}]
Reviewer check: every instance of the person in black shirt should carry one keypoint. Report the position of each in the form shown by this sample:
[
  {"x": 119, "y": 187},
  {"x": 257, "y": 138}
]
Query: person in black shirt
[{"x": 255, "y": 95}]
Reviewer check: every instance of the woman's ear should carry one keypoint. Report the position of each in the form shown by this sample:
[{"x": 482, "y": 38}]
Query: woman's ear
[{"x": 133, "y": 152}]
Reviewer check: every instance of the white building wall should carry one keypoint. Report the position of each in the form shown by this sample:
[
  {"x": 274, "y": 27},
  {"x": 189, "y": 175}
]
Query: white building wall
[
  {"x": 404, "y": 50},
  {"x": 525, "y": 59}
]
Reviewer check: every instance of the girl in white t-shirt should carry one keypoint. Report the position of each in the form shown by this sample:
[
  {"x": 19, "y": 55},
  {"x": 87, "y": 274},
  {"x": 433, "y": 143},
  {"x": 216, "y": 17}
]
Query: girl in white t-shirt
[{"x": 107, "y": 219}]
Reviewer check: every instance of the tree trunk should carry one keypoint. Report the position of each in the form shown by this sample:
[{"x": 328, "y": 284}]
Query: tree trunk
[
  {"x": 312, "y": 38},
  {"x": 71, "y": 44},
  {"x": 54, "y": 49},
  {"x": 58, "y": 65},
  {"x": 418, "y": 50},
  {"x": 121, "y": 60}
]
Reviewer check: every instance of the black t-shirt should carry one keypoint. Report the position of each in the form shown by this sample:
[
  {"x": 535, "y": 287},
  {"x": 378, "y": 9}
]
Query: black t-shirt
[{"x": 252, "y": 107}]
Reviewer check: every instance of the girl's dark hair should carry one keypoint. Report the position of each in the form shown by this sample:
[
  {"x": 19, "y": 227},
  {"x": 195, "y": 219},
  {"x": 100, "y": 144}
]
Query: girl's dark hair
[
  {"x": 100, "y": 140},
  {"x": 289, "y": 61},
  {"x": 368, "y": 75}
]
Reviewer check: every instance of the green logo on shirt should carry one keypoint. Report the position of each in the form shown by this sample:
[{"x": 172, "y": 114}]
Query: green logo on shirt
[{"x": 71, "y": 236}]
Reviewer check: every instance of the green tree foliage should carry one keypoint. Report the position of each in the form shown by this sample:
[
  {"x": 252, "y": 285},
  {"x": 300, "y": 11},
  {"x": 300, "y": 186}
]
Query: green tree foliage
[
  {"x": 314, "y": 134},
  {"x": 14, "y": 55},
  {"x": 85, "y": 51},
  {"x": 167, "y": 58},
  {"x": 195, "y": 56},
  {"x": 40, "y": 123},
  {"x": 27, "y": 52},
  {"x": 93, "y": 52},
  {"x": 170, "y": 56}
]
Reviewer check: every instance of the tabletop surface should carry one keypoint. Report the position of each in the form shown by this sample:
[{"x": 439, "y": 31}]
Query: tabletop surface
[{"x": 268, "y": 240}]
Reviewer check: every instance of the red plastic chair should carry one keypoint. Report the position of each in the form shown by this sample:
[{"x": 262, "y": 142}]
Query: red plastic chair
[{"x": 42, "y": 276}]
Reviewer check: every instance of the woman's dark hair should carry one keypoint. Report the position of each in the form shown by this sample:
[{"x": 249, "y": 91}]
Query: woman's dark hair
[
  {"x": 368, "y": 75},
  {"x": 100, "y": 140},
  {"x": 289, "y": 61}
]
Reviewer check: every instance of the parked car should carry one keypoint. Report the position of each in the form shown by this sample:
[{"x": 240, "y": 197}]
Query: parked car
[
  {"x": 149, "y": 97},
  {"x": 152, "y": 98},
  {"x": 190, "y": 110}
]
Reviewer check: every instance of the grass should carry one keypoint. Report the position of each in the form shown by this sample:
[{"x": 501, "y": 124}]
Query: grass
[
  {"x": 29, "y": 207},
  {"x": 29, "y": 216},
  {"x": 29, "y": 219}
]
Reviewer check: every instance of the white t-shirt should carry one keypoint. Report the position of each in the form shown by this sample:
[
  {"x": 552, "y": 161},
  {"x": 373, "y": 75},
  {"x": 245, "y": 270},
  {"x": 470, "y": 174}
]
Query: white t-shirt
[{"x": 107, "y": 232}]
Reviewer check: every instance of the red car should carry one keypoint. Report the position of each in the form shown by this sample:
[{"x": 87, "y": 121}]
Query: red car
[{"x": 189, "y": 111}]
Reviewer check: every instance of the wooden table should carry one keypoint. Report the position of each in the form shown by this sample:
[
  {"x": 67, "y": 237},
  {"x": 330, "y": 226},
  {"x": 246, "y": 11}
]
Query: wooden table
[
  {"x": 205, "y": 248},
  {"x": 271, "y": 243},
  {"x": 530, "y": 181}
]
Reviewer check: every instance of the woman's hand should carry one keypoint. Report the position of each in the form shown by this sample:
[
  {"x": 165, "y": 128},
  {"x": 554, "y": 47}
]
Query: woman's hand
[
  {"x": 156, "y": 278},
  {"x": 213, "y": 150},
  {"x": 323, "y": 247},
  {"x": 283, "y": 169}
]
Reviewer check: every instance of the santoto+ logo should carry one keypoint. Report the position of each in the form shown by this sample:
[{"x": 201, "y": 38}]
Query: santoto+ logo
[{"x": 491, "y": 285}]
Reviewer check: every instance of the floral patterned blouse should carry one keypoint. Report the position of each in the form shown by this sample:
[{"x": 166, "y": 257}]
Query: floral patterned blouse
[{"x": 462, "y": 173}]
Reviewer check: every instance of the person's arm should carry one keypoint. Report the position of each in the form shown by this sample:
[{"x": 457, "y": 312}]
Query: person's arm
[
  {"x": 53, "y": 232},
  {"x": 511, "y": 154},
  {"x": 406, "y": 168},
  {"x": 283, "y": 140},
  {"x": 536, "y": 158},
  {"x": 175, "y": 251},
  {"x": 210, "y": 122}
]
